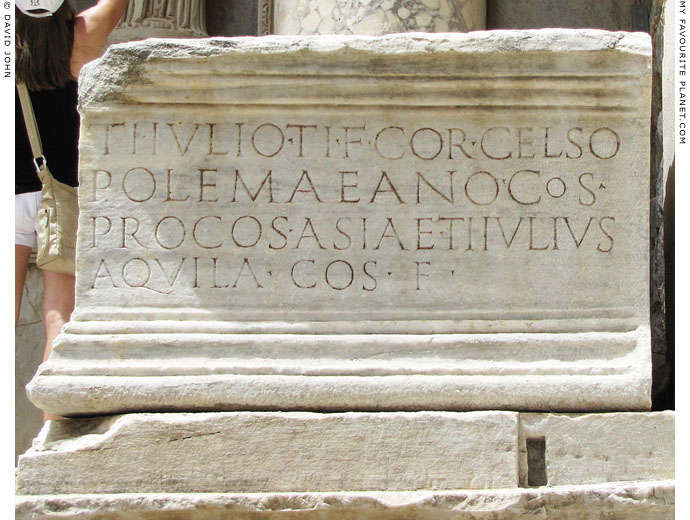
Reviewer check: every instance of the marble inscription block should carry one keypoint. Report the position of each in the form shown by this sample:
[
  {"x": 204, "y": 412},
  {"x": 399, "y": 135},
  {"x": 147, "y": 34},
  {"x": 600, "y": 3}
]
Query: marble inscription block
[{"x": 447, "y": 222}]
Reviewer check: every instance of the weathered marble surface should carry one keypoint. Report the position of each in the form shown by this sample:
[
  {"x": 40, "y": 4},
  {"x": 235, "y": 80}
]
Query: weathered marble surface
[
  {"x": 240, "y": 451},
  {"x": 252, "y": 451},
  {"x": 29, "y": 341},
  {"x": 308, "y": 453},
  {"x": 409, "y": 222},
  {"x": 377, "y": 17},
  {"x": 617, "y": 501},
  {"x": 590, "y": 448}
]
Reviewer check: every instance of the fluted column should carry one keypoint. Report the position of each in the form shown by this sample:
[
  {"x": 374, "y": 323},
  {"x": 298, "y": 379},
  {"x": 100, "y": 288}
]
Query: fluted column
[
  {"x": 377, "y": 17},
  {"x": 161, "y": 19}
]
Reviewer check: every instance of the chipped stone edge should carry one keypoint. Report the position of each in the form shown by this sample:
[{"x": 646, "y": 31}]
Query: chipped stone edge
[
  {"x": 551, "y": 40},
  {"x": 105, "y": 78},
  {"x": 633, "y": 497}
]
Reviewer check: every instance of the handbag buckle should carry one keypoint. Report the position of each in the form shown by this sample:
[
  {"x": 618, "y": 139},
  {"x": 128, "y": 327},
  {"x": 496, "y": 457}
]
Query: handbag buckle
[{"x": 44, "y": 163}]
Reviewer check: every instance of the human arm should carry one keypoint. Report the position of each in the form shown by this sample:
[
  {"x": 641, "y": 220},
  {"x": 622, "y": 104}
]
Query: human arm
[{"x": 91, "y": 30}]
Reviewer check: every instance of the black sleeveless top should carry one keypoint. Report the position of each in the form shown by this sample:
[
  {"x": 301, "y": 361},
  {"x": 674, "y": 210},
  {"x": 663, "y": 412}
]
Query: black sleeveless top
[{"x": 58, "y": 124}]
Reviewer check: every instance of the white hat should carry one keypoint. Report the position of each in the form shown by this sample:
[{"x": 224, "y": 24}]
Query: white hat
[{"x": 38, "y": 8}]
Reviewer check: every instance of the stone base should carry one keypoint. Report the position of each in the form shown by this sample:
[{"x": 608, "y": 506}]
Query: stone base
[
  {"x": 169, "y": 366},
  {"x": 246, "y": 452},
  {"x": 615, "y": 501}
]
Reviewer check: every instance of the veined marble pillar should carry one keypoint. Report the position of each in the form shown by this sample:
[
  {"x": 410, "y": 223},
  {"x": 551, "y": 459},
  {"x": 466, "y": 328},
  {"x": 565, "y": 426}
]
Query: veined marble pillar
[{"x": 378, "y": 17}]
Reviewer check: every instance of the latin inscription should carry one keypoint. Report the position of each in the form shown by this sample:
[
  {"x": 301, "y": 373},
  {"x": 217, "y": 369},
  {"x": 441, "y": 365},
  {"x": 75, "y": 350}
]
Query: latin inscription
[{"x": 359, "y": 207}]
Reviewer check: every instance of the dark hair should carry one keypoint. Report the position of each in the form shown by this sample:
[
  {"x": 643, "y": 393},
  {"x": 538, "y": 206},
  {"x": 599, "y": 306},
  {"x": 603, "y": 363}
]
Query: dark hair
[{"x": 43, "y": 48}]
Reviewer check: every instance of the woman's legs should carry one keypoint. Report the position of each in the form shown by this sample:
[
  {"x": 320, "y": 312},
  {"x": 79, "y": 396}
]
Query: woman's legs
[
  {"x": 25, "y": 211},
  {"x": 58, "y": 303},
  {"x": 21, "y": 264},
  {"x": 58, "y": 289}
]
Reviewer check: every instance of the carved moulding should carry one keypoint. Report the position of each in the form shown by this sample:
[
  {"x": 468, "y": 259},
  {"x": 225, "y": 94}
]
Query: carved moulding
[
  {"x": 265, "y": 22},
  {"x": 161, "y": 19}
]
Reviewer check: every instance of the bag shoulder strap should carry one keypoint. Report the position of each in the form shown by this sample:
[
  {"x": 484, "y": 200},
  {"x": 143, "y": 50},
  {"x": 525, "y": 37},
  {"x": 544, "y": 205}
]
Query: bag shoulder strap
[{"x": 31, "y": 125}]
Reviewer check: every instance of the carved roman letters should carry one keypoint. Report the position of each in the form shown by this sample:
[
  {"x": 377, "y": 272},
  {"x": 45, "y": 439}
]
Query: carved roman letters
[{"x": 309, "y": 193}]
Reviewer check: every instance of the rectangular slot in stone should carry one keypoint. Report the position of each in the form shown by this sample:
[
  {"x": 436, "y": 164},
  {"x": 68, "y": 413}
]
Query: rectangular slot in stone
[{"x": 536, "y": 462}]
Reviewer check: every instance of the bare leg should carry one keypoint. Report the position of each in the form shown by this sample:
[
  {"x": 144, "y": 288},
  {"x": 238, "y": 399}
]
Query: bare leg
[
  {"x": 58, "y": 303},
  {"x": 21, "y": 263}
]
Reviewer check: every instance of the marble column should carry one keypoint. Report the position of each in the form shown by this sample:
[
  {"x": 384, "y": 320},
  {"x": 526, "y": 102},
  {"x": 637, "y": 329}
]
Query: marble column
[{"x": 377, "y": 17}]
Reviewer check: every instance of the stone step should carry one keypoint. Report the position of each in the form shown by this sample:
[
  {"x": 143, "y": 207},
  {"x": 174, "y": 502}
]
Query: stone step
[
  {"x": 616, "y": 501},
  {"x": 249, "y": 452}
]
